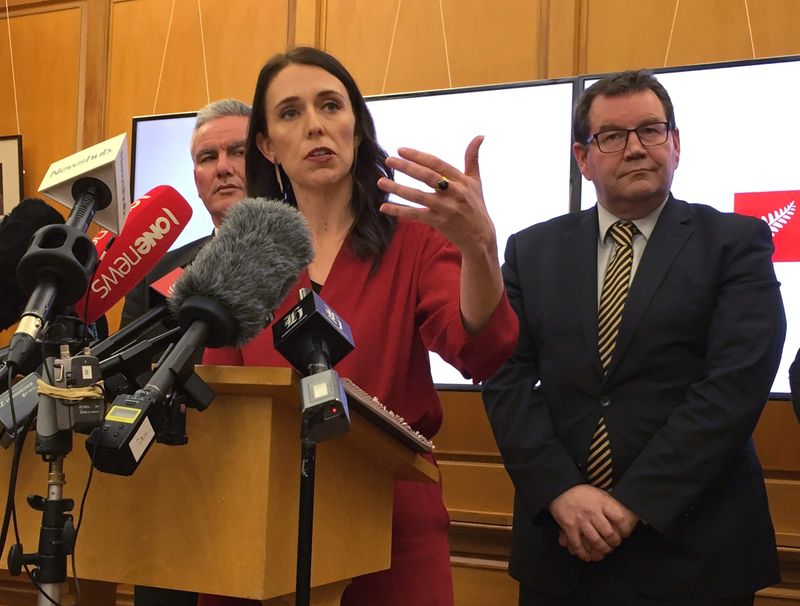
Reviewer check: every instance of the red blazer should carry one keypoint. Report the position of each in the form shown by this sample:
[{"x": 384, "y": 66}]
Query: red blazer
[{"x": 408, "y": 306}]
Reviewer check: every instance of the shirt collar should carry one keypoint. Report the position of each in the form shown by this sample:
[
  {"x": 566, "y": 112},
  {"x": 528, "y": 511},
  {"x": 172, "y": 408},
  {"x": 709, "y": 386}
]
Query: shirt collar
[{"x": 645, "y": 225}]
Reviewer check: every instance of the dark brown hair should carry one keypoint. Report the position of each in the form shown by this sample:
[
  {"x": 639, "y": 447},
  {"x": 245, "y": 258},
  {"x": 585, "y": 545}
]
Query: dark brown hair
[
  {"x": 617, "y": 85},
  {"x": 372, "y": 230}
]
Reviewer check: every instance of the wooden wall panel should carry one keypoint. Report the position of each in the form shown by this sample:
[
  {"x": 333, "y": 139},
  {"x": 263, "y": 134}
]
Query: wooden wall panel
[
  {"x": 561, "y": 29},
  {"x": 776, "y": 27},
  {"x": 465, "y": 431},
  {"x": 479, "y": 497},
  {"x": 626, "y": 34},
  {"x": 622, "y": 34},
  {"x": 477, "y": 492},
  {"x": 479, "y": 582},
  {"x": 235, "y": 41},
  {"x": 238, "y": 38},
  {"x": 487, "y": 42},
  {"x": 98, "y": 15},
  {"x": 708, "y": 31},
  {"x": 777, "y": 439},
  {"x": 48, "y": 98}
]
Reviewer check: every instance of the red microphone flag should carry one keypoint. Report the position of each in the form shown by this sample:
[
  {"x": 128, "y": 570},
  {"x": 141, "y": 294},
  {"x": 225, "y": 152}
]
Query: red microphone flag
[{"x": 154, "y": 223}]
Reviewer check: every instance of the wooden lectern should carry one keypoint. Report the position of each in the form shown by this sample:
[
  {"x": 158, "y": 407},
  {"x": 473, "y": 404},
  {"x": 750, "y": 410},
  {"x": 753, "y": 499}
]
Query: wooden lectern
[{"x": 219, "y": 515}]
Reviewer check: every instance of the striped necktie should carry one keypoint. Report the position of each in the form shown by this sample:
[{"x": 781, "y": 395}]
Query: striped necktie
[{"x": 612, "y": 302}]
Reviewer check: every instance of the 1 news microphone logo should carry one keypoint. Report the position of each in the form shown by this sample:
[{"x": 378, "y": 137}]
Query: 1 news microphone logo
[
  {"x": 779, "y": 209},
  {"x": 129, "y": 258}
]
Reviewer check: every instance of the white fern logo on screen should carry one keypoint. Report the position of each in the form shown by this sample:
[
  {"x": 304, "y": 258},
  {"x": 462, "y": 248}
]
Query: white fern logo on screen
[
  {"x": 779, "y": 218},
  {"x": 777, "y": 209}
]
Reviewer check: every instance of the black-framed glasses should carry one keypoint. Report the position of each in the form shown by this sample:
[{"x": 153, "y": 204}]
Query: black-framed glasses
[{"x": 616, "y": 139}]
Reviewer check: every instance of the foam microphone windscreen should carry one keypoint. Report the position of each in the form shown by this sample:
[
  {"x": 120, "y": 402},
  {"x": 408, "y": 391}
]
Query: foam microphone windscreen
[
  {"x": 153, "y": 224},
  {"x": 249, "y": 266},
  {"x": 16, "y": 232}
]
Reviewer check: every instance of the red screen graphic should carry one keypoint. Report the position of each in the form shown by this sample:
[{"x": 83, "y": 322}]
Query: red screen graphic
[{"x": 780, "y": 210}]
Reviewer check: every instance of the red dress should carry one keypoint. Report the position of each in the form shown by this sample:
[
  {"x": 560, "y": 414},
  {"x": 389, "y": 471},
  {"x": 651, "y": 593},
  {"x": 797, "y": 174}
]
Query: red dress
[{"x": 408, "y": 306}]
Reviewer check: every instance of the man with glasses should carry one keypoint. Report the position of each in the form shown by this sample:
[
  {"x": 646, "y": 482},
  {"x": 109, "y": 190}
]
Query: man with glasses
[{"x": 650, "y": 333}]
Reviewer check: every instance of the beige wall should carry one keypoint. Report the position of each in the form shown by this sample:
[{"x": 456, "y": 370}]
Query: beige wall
[{"x": 163, "y": 60}]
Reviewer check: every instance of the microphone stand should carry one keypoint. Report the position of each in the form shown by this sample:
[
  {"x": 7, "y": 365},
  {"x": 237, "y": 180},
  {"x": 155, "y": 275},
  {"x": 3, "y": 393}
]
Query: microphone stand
[
  {"x": 54, "y": 425},
  {"x": 55, "y": 270},
  {"x": 324, "y": 417},
  {"x": 305, "y": 527},
  {"x": 312, "y": 337},
  {"x": 57, "y": 532}
]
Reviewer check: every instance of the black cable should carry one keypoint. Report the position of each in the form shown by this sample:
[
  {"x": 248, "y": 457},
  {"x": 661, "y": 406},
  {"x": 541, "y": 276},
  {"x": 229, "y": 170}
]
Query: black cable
[
  {"x": 14, "y": 465},
  {"x": 19, "y": 443},
  {"x": 80, "y": 513},
  {"x": 11, "y": 403},
  {"x": 85, "y": 343}
]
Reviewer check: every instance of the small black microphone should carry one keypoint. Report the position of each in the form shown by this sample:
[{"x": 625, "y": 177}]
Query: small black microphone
[{"x": 313, "y": 338}]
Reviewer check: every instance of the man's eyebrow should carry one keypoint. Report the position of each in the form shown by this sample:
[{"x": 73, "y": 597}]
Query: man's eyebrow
[
  {"x": 204, "y": 151},
  {"x": 642, "y": 122}
]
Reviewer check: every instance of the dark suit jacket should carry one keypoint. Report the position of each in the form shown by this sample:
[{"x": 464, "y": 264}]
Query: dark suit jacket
[
  {"x": 698, "y": 348},
  {"x": 142, "y": 298}
]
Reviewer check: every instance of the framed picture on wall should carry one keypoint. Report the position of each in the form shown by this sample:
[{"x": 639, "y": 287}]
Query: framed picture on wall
[{"x": 10, "y": 172}]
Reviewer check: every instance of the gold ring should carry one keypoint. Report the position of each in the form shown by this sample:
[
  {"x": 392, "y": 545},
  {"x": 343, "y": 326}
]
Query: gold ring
[{"x": 443, "y": 184}]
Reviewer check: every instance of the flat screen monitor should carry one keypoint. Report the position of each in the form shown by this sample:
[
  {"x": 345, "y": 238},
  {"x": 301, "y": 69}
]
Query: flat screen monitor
[
  {"x": 524, "y": 161},
  {"x": 162, "y": 156},
  {"x": 739, "y": 153}
]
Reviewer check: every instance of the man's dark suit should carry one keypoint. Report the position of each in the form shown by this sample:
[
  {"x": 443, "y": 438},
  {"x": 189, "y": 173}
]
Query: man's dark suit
[
  {"x": 141, "y": 299},
  {"x": 698, "y": 348}
]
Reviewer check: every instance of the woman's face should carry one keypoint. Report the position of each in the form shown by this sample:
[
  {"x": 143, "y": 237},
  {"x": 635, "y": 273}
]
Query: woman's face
[{"x": 311, "y": 126}]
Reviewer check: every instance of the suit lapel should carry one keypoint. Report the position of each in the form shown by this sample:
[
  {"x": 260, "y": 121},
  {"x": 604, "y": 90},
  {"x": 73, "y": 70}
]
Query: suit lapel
[
  {"x": 189, "y": 252},
  {"x": 579, "y": 252},
  {"x": 180, "y": 257},
  {"x": 669, "y": 235}
]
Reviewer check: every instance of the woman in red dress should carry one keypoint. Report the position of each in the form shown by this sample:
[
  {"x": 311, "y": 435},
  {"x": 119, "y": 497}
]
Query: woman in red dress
[{"x": 407, "y": 280}]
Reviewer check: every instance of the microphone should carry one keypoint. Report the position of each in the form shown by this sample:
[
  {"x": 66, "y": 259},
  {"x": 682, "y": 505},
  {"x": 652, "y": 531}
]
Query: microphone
[
  {"x": 103, "y": 166},
  {"x": 16, "y": 232},
  {"x": 154, "y": 223},
  {"x": 225, "y": 297},
  {"x": 313, "y": 338},
  {"x": 60, "y": 258}
]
